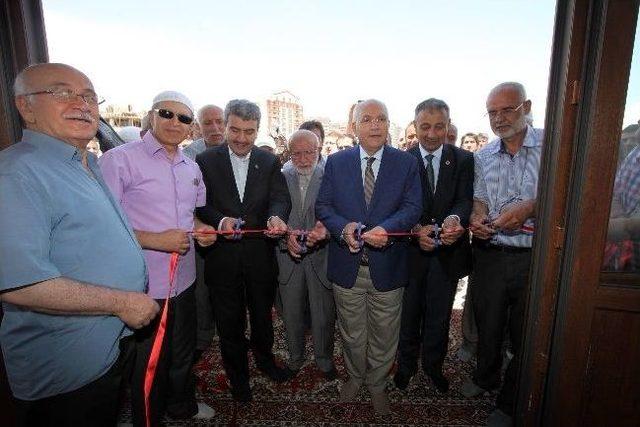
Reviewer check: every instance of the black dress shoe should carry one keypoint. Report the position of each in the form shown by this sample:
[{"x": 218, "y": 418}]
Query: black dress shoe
[
  {"x": 330, "y": 375},
  {"x": 277, "y": 374},
  {"x": 440, "y": 381},
  {"x": 242, "y": 393},
  {"x": 401, "y": 379}
]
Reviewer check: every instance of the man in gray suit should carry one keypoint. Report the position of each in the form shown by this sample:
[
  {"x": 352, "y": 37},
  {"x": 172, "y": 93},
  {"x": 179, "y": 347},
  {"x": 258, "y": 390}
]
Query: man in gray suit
[{"x": 303, "y": 261}]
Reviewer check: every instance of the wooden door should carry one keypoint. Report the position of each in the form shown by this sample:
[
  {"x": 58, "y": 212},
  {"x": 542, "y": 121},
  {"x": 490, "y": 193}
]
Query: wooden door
[{"x": 581, "y": 362}]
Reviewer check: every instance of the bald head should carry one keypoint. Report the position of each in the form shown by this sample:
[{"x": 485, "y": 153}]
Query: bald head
[
  {"x": 32, "y": 78},
  {"x": 367, "y": 104},
  {"x": 452, "y": 134},
  {"x": 303, "y": 148},
  {"x": 512, "y": 87}
]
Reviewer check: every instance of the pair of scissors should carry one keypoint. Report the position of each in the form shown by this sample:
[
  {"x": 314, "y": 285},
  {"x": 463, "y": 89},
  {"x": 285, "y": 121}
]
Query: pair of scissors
[{"x": 237, "y": 228}]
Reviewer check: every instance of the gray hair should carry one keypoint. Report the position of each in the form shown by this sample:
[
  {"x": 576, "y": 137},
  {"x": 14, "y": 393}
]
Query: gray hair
[
  {"x": 303, "y": 134},
  {"x": 358, "y": 108},
  {"x": 432, "y": 104},
  {"x": 202, "y": 110},
  {"x": 242, "y": 108},
  {"x": 515, "y": 86}
]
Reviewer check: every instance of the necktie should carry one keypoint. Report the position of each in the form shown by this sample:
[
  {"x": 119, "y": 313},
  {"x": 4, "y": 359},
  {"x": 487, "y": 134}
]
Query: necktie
[
  {"x": 430, "y": 174},
  {"x": 369, "y": 180}
]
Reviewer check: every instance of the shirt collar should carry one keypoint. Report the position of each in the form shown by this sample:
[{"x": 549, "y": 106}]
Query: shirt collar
[
  {"x": 377, "y": 154},
  {"x": 153, "y": 147},
  {"x": 530, "y": 140},
  {"x": 244, "y": 159},
  {"x": 436, "y": 154},
  {"x": 54, "y": 147}
]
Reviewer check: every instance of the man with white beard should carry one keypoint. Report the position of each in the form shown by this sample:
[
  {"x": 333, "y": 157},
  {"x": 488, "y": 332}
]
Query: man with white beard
[{"x": 303, "y": 261}]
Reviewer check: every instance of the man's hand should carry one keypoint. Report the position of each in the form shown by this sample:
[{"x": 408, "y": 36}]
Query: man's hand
[
  {"x": 227, "y": 226},
  {"x": 137, "y": 310},
  {"x": 513, "y": 217},
  {"x": 203, "y": 238},
  {"x": 173, "y": 241},
  {"x": 293, "y": 246},
  {"x": 276, "y": 227},
  {"x": 424, "y": 238},
  {"x": 451, "y": 230},
  {"x": 479, "y": 228},
  {"x": 349, "y": 229},
  {"x": 318, "y": 234},
  {"x": 376, "y": 237}
]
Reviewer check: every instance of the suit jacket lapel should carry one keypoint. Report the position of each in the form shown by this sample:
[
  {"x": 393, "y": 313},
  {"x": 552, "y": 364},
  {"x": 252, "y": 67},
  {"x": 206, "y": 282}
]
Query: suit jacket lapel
[
  {"x": 356, "y": 175},
  {"x": 228, "y": 170},
  {"x": 312, "y": 192},
  {"x": 294, "y": 190},
  {"x": 382, "y": 175},
  {"x": 445, "y": 175},
  {"x": 253, "y": 173}
]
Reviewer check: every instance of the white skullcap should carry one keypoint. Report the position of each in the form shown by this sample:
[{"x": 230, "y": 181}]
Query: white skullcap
[
  {"x": 129, "y": 133},
  {"x": 172, "y": 95}
]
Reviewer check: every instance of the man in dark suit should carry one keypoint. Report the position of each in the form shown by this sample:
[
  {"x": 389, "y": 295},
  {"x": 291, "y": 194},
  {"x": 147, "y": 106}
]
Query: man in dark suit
[
  {"x": 243, "y": 182},
  {"x": 435, "y": 265},
  {"x": 379, "y": 187}
]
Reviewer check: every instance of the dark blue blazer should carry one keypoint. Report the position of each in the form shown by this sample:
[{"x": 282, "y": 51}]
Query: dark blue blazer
[{"x": 396, "y": 205}]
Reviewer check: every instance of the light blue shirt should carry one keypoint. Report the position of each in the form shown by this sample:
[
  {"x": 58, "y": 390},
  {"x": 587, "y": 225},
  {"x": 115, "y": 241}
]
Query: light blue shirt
[
  {"x": 501, "y": 179},
  {"x": 195, "y": 148},
  {"x": 375, "y": 166},
  {"x": 56, "y": 220},
  {"x": 437, "y": 155}
]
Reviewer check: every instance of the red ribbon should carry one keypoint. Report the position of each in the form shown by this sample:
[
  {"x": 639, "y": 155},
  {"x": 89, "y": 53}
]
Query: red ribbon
[{"x": 150, "y": 374}]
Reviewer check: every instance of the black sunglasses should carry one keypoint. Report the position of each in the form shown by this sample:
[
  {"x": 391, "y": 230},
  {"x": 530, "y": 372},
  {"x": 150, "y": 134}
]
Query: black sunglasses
[{"x": 167, "y": 114}]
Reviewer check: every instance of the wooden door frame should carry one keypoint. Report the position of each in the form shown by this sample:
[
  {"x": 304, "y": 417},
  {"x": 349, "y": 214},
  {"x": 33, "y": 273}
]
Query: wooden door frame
[{"x": 590, "y": 67}]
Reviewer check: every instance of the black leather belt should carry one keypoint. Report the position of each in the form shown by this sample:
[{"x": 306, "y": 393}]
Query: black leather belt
[{"x": 508, "y": 249}]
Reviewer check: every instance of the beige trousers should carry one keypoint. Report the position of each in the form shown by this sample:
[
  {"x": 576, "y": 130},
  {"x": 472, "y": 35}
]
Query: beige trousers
[{"x": 369, "y": 323}]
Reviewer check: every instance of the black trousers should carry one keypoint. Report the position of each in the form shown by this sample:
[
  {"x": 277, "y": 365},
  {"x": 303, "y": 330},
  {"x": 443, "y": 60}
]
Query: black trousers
[
  {"x": 173, "y": 388},
  {"x": 426, "y": 314},
  {"x": 499, "y": 296},
  {"x": 230, "y": 300},
  {"x": 95, "y": 404}
]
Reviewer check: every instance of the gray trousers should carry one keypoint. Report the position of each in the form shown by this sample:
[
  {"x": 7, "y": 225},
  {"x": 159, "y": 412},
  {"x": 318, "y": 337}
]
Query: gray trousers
[
  {"x": 304, "y": 286},
  {"x": 204, "y": 311},
  {"x": 369, "y": 323}
]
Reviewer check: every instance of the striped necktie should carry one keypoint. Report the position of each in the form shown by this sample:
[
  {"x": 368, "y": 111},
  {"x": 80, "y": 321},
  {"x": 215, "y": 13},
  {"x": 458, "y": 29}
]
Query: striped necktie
[
  {"x": 369, "y": 180},
  {"x": 430, "y": 172}
]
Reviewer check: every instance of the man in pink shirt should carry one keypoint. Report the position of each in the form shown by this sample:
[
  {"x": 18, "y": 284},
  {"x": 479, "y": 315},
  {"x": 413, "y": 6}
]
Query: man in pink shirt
[{"x": 159, "y": 188}]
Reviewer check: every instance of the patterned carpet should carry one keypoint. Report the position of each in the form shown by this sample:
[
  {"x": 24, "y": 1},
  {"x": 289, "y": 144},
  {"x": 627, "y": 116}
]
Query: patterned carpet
[{"x": 308, "y": 400}]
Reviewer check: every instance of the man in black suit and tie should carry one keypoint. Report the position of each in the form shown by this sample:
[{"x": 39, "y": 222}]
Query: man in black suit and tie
[
  {"x": 436, "y": 263},
  {"x": 244, "y": 182}
]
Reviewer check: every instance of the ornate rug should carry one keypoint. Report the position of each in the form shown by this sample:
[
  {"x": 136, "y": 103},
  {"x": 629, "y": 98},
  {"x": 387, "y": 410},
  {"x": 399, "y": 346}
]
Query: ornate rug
[{"x": 308, "y": 400}]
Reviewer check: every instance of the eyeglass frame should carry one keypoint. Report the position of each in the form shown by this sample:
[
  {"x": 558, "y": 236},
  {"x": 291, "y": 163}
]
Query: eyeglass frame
[
  {"x": 57, "y": 93},
  {"x": 504, "y": 111}
]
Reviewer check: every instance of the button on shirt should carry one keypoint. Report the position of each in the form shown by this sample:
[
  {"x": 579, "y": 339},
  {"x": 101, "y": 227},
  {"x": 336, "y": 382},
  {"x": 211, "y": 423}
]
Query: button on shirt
[
  {"x": 437, "y": 155},
  {"x": 56, "y": 220},
  {"x": 375, "y": 166},
  {"x": 501, "y": 179},
  {"x": 157, "y": 193}
]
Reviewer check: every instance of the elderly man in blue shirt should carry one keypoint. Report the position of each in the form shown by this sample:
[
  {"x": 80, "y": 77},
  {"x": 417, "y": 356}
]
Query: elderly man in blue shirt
[
  {"x": 72, "y": 277},
  {"x": 502, "y": 222}
]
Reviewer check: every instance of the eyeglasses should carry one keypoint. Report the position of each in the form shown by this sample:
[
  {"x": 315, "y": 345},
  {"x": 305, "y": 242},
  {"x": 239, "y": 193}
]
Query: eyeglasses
[
  {"x": 308, "y": 153},
  {"x": 503, "y": 111},
  {"x": 369, "y": 120},
  {"x": 167, "y": 114},
  {"x": 69, "y": 95}
]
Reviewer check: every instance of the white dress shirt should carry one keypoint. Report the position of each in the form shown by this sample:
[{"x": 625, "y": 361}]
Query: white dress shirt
[
  {"x": 375, "y": 166},
  {"x": 240, "y": 167}
]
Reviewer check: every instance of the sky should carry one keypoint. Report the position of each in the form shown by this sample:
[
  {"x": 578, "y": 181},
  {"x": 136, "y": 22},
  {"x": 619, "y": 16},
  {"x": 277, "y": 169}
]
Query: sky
[{"x": 329, "y": 53}]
